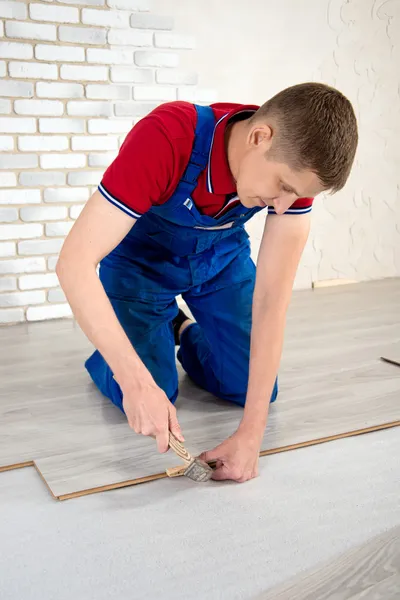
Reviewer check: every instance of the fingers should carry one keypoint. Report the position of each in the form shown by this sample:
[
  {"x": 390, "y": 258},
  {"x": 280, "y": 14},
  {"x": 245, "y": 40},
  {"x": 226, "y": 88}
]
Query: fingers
[
  {"x": 221, "y": 474},
  {"x": 211, "y": 455},
  {"x": 162, "y": 438},
  {"x": 174, "y": 426}
]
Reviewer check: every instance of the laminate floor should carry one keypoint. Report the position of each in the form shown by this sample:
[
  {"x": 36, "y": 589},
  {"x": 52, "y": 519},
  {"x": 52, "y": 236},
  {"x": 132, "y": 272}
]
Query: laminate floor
[
  {"x": 369, "y": 572},
  {"x": 332, "y": 382}
]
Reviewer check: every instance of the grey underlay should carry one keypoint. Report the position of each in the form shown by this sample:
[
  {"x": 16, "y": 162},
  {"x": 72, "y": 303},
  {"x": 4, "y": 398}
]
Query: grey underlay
[{"x": 331, "y": 382}]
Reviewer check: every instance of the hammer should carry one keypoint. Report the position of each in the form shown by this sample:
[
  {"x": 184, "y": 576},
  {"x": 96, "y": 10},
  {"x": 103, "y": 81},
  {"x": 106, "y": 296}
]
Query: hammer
[{"x": 195, "y": 468}]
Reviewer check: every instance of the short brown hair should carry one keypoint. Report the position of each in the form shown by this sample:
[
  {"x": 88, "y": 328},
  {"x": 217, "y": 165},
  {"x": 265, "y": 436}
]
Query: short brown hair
[{"x": 315, "y": 129}]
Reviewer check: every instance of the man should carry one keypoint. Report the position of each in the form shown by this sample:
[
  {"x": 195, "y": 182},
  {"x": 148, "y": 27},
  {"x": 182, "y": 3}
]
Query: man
[{"x": 168, "y": 219}]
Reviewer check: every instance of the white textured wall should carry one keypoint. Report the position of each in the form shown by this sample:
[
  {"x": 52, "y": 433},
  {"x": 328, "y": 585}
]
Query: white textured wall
[
  {"x": 250, "y": 50},
  {"x": 75, "y": 75}
]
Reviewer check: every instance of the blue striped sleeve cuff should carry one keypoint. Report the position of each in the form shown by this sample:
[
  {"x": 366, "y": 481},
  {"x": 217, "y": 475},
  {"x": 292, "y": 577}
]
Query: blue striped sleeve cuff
[{"x": 126, "y": 209}]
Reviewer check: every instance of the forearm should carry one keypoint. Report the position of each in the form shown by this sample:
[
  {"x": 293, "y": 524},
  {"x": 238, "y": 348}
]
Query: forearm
[
  {"x": 266, "y": 349},
  {"x": 96, "y": 317}
]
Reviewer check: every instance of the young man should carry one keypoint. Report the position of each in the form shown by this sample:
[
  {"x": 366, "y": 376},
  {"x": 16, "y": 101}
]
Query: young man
[{"x": 168, "y": 219}]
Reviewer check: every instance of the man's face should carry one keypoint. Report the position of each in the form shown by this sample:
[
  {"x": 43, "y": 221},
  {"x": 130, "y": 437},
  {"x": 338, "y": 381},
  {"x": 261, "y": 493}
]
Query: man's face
[{"x": 262, "y": 181}]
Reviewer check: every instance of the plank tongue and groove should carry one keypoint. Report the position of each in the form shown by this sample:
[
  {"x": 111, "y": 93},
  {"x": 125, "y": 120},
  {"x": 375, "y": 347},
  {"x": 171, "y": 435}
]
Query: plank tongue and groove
[{"x": 332, "y": 384}]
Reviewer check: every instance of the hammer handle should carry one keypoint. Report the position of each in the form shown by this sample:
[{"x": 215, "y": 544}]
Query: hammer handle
[{"x": 179, "y": 448}]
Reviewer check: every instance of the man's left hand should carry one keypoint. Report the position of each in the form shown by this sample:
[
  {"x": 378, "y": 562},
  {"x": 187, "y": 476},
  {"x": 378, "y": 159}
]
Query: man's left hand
[{"x": 237, "y": 458}]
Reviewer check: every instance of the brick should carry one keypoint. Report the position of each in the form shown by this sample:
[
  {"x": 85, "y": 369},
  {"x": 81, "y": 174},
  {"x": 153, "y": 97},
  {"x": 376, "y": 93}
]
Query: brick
[
  {"x": 6, "y": 143},
  {"x": 22, "y": 265},
  {"x": 62, "y": 161},
  {"x": 36, "y": 70},
  {"x": 7, "y": 249},
  {"x": 3, "y": 69},
  {"x": 59, "y": 53},
  {"x": 173, "y": 40},
  {"x": 154, "y": 93},
  {"x": 54, "y": 311},
  {"x": 38, "y": 178},
  {"x": 76, "y": 210},
  {"x": 8, "y": 180},
  {"x": 129, "y": 4},
  {"x": 176, "y": 77},
  {"x": 33, "y": 247},
  {"x": 66, "y": 195},
  {"x": 61, "y": 126},
  {"x": 5, "y": 107},
  {"x": 32, "y": 31},
  {"x": 131, "y": 75},
  {"x": 84, "y": 73},
  {"x": 109, "y": 57},
  {"x": 130, "y": 37},
  {"x": 52, "y": 263},
  {"x": 89, "y": 109},
  {"x": 8, "y": 215},
  {"x": 149, "y": 21},
  {"x": 42, "y": 143},
  {"x": 57, "y": 14},
  {"x": 16, "y": 88},
  {"x": 8, "y": 284},
  {"x": 197, "y": 95},
  {"x": 107, "y": 92},
  {"x": 35, "y": 282},
  {"x": 12, "y": 315},
  {"x": 15, "y": 232},
  {"x": 85, "y": 178},
  {"x": 105, "y": 18},
  {"x": 108, "y": 126},
  {"x": 58, "y": 229},
  {"x": 59, "y": 90},
  {"x": 95, "y": 143},
  {"x": 56, "y": 295},
  {"x": 1, "y": 29},
  {"x": 101, "y": 160},
  {"x": 22, "y": 298},
  {"x": 43, "y": 213},
  {"x": 39, "y": 108},
  {"x": 18, "y": 161},
  {"x": 144, "y": 58},
  {"x": 132, "y": 109},
  {"x": 15, "y": 50},
  {"x": 15, "y": 125},
  {"x": 82, "y": 35},
  {"x": 25, "y": 196},
  {"x": 13, "y": 10}
]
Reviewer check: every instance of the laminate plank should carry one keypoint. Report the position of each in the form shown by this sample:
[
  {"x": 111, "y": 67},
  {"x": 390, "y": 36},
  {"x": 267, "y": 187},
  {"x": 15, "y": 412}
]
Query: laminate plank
[
  {"x": 332, "y": 382},
  {"x": 368, "y": 572}
]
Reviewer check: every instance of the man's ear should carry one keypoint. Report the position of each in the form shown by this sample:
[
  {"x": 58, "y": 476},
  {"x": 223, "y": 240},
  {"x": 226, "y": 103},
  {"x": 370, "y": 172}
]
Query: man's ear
[{"x": 261, "y": 135}]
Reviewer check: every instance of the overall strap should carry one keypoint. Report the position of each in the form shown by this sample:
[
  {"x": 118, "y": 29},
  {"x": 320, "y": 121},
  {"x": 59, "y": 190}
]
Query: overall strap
[{"x": 201, "y": 148}]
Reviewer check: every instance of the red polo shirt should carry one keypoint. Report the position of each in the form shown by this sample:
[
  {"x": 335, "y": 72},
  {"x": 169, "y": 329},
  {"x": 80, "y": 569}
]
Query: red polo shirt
[{"x": 154, "y": 156}]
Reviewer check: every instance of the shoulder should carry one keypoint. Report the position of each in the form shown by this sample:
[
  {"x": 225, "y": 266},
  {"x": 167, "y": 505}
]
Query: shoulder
[{"x": 175, "y": 119}]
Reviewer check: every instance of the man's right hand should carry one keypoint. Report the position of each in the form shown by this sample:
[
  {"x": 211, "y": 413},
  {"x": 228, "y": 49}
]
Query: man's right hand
[{"x": 150, "y": 412}]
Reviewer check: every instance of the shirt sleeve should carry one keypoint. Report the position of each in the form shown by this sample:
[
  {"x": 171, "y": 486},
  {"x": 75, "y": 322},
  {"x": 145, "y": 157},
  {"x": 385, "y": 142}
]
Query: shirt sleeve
[
  {"x": 300, "y": 207},
  {"x": 139, "y": 176}
]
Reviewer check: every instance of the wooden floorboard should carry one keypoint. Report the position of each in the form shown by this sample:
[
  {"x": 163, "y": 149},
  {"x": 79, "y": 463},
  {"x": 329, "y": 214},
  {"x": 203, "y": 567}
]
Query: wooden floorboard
[
  {"x": 332, "y": 384},
  {"x": 369, "y": 572}
]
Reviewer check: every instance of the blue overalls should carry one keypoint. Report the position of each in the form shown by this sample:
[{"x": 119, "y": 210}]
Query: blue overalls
[{"x": 172, "y": 250}]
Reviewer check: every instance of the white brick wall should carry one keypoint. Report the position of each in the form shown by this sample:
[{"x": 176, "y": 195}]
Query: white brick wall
[{"x": 69, "y": 70}]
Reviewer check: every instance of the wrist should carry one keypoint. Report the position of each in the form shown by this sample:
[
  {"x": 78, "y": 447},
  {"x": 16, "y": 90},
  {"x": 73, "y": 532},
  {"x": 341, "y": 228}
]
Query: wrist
[{"x": 252, "y": 432}]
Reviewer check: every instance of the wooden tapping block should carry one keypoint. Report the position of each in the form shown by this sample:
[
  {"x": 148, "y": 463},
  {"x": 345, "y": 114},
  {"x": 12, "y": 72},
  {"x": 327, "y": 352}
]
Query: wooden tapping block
[{"x": 176, "y": 471}]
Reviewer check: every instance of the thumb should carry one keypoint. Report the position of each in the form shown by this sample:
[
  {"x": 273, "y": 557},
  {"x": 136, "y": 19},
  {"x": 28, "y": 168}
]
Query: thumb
[
  {"x": 174, "y": 427},
  {"x": 214, "y": 454}
]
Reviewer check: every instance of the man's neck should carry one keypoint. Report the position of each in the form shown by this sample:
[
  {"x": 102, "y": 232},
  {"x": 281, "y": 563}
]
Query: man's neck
[{"x": 235, "y": 142}]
